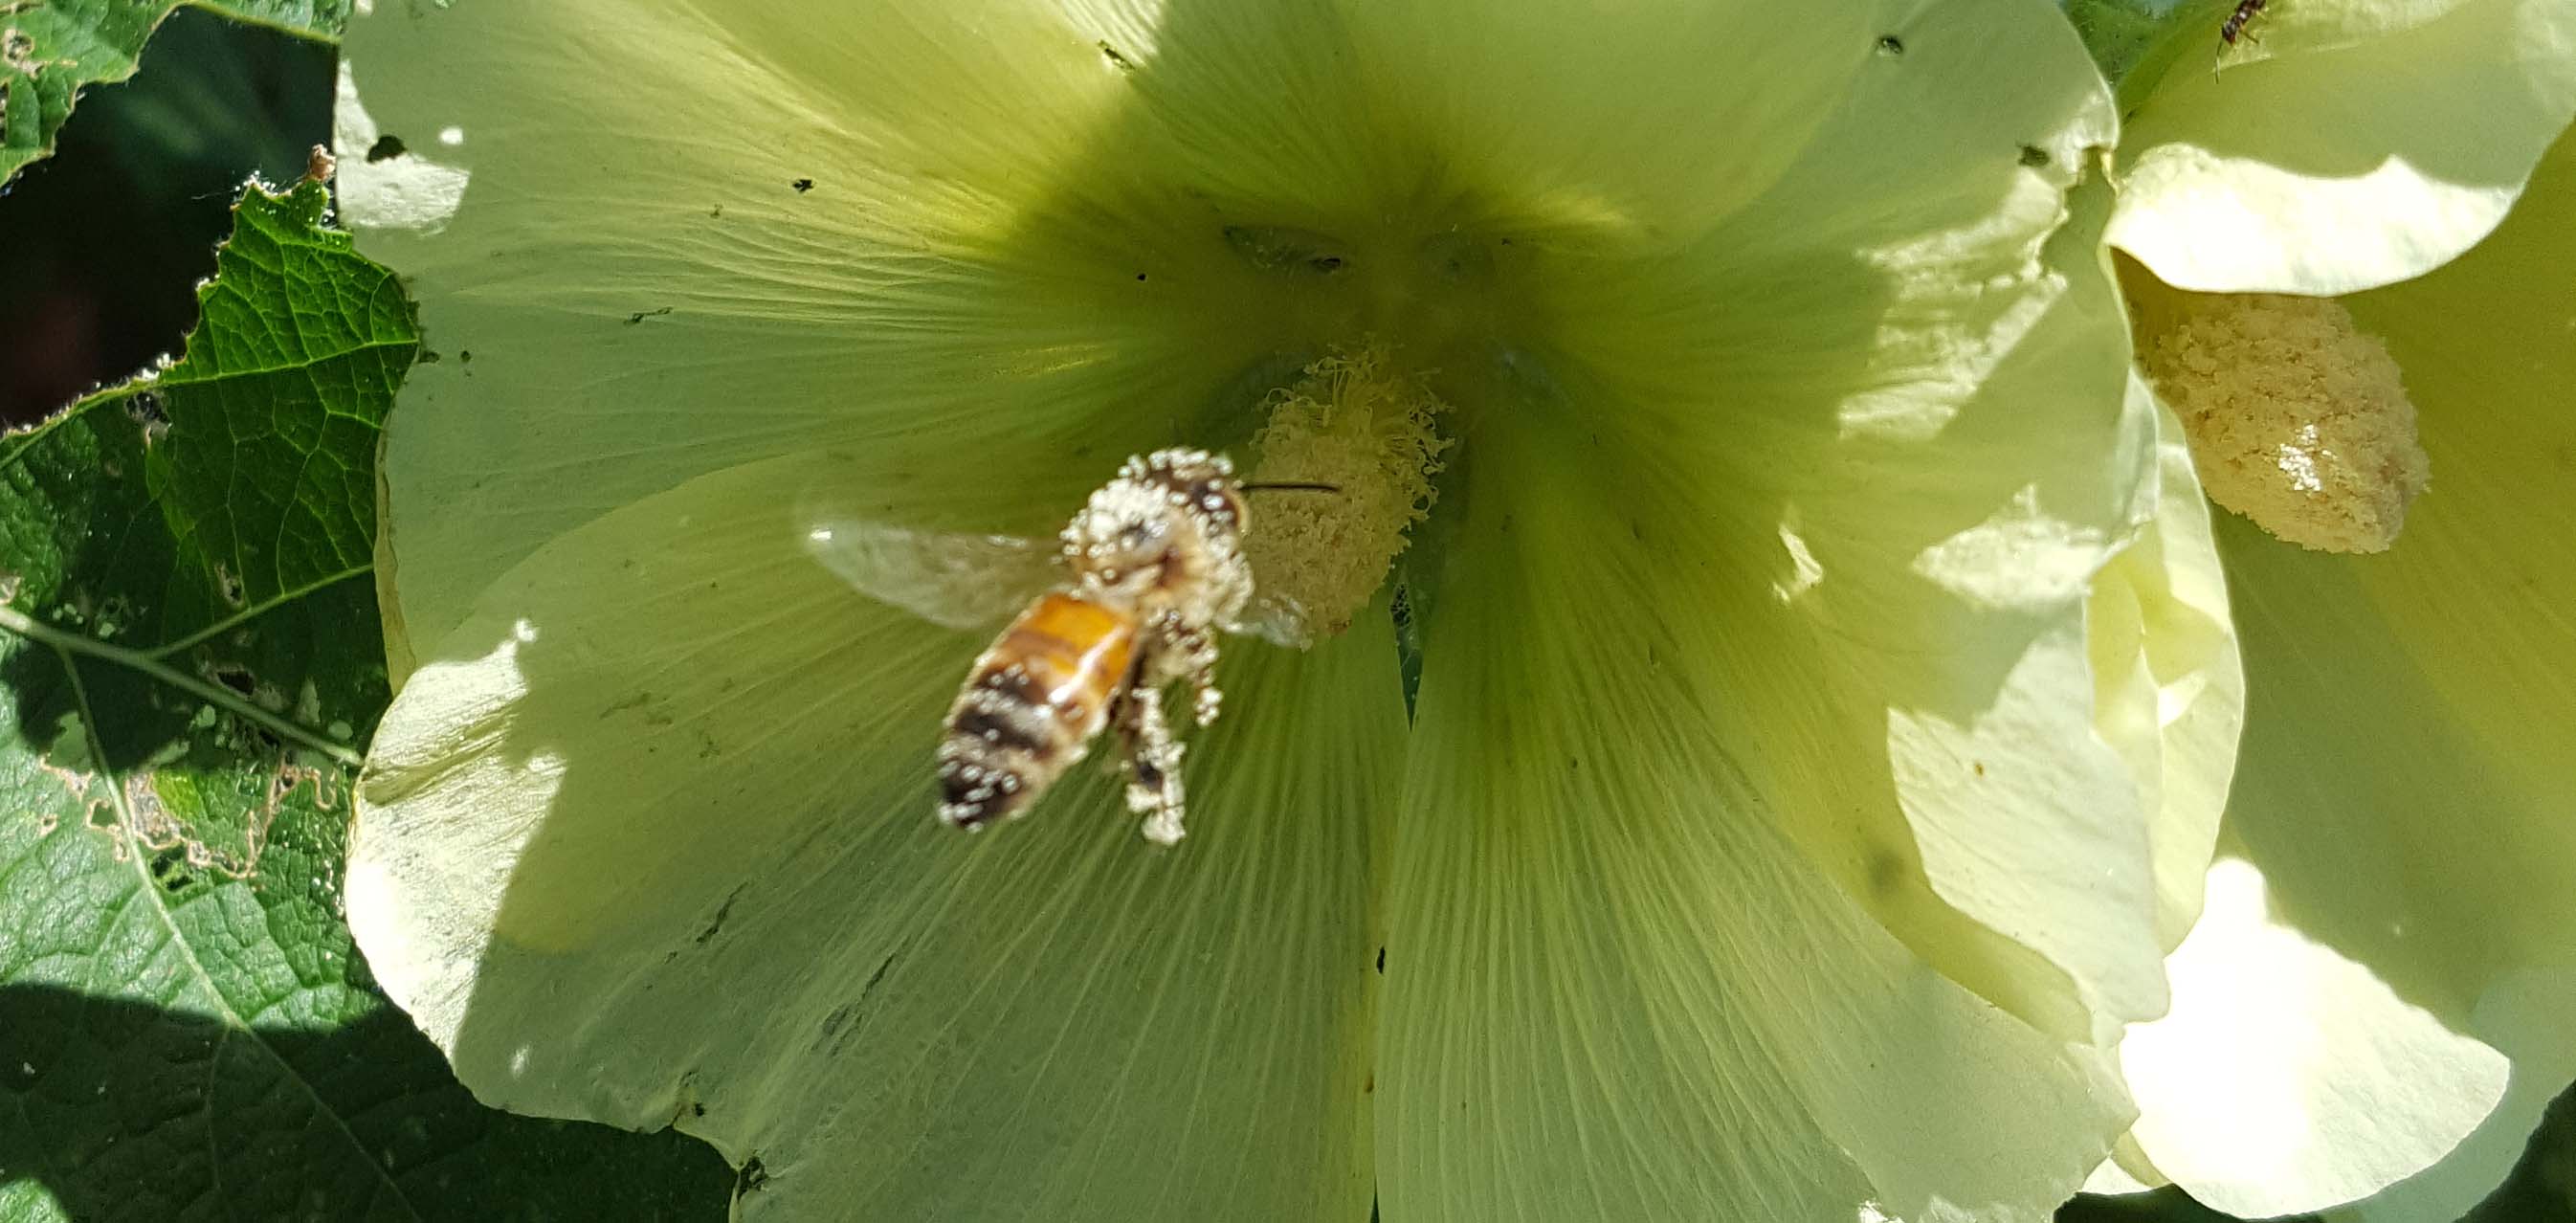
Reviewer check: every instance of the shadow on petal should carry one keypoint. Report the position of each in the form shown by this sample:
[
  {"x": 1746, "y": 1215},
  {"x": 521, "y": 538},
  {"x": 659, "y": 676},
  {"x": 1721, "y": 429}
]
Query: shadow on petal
[{"x": 652, "y": 843}]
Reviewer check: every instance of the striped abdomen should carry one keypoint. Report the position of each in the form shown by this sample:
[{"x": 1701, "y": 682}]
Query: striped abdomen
[{"x": 1031, "y": 706}]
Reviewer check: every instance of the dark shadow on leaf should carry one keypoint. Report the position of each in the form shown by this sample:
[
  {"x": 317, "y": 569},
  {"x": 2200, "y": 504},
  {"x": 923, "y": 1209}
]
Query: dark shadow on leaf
[
  {"x": 127, "y": 212},
  {"x": 2166, "y": 1205},
  {"x": 2540, "y": 1189},
  {"x": 228, "y": 511},
  {"x": 128, "y": 1112}
]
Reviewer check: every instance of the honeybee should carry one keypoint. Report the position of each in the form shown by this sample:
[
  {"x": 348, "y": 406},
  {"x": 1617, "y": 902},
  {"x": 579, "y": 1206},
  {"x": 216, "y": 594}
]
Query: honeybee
[{"x": 1128, "y": 601}]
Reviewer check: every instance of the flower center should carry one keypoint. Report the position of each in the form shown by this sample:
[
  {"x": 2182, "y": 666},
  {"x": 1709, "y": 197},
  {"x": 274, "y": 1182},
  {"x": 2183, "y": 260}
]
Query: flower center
[
  {"x": 1355, "y": 423},
  {"x": 2297, "y": 419}
]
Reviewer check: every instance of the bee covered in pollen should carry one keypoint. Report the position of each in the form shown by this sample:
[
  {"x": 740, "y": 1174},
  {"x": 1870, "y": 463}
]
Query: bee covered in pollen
[{"x": 1145, "y": 577}]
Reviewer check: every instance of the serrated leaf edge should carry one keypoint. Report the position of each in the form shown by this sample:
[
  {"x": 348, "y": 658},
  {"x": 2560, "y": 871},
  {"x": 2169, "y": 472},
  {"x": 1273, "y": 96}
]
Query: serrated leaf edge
[{"x": 45, "y": 148}]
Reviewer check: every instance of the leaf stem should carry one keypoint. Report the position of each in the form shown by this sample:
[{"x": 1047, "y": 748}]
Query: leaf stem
[
  {"x": 220, "y": 627},
  {"x": 136, "y": 854},
  {"x": 97, "y": 746},
  {"x": 36, "y": 630}
]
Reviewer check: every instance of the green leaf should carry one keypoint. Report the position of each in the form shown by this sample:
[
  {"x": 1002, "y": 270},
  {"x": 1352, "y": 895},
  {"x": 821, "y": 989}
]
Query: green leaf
[
  {"x": 2120, "y": 33},
  {"x": 51, "y": 50},
  {"x": 191, "y": 659}
]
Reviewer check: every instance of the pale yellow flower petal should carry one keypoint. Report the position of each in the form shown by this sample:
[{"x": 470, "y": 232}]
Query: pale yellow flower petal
[
  {"x": 649, "y": 841},
  {"x": 999, "y": 236},
  {"x": 2288, "y": 1077},
  {"x": 2406, "y": 788},
  {"x": 2523, "y": 1014},
  {"x": 2357, "y": 143},
  {"x": 1614, "y": 990},
  {"x": 1896, "y": 434},
  {"x": 2169, "y": 684}
]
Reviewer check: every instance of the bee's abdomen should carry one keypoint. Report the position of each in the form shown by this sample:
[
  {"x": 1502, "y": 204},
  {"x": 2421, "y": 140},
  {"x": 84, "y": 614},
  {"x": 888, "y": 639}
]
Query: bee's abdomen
[{"x": 1031, "y": 707}]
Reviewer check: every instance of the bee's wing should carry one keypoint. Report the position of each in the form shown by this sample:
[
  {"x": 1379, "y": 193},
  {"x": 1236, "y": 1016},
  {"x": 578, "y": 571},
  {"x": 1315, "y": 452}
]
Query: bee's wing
[
  {"x": 956, "y": 580},
  {"x": 1277, "y": 619}
]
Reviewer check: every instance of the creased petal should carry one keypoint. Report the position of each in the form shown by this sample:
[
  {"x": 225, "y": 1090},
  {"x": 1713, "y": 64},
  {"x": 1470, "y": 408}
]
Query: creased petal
[
  {"x": 1890, "y": 441},
  {"x": 649, "y": 841},
  {"x": 2169, "y": 683},
  {"x": 1614, "y": 989},
  {"x": 2359, "y": 145},
  {"x": 2406, "y": 787}
]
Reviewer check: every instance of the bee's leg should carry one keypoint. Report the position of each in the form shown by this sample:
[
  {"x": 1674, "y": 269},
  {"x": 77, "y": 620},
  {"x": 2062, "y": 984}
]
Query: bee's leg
[
  {"x": 1126, "y": 722},
  {"x": 1193, "y": 661},
  {"x": 1153, "y": 760}
]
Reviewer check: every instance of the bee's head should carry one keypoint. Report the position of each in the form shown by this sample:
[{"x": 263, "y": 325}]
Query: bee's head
[
  {"x": 1198, "y": 485},
  {"x": 1156, "y": 526}
]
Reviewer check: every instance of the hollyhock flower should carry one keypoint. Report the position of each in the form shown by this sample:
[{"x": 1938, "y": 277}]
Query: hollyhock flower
[
  {"x": 2266, "y": 182},
  {"x": 2397, "y": 872},
  {"x": 2333, "y": 145},
  {"x": 2272, "y": 156},
  {"x": 1819, "y": 722}
]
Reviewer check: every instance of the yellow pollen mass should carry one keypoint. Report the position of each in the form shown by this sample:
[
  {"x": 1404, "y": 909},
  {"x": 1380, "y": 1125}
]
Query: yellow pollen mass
[
  {"x": 1353, "y": 422},
  {"x": 2298, "y": 420}
]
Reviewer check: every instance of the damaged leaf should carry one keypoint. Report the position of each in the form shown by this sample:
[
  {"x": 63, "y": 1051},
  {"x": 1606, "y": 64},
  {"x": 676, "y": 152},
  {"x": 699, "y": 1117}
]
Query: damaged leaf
[
  {"x": 191, "y": 663},
  {"x": 51, "y": 51}
]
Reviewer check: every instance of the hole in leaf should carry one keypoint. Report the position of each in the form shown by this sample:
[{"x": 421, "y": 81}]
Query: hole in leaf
[{"x": 236, "y": 677}]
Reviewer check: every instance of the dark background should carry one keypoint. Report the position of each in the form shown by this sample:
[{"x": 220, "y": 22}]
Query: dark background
[{"x": 106, "y": 240}]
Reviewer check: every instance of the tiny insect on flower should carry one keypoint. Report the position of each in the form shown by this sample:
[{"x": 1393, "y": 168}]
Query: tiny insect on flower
[
  {"x": 2234, "y": 29},
  {"x": 2234, "y": 26}
]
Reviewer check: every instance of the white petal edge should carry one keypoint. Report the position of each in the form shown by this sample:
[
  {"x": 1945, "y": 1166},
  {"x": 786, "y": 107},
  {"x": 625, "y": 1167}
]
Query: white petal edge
[
  {"x": 2337, "y": 169},
  {"x": 2169, "y": 679},
  {"x": 2288, "y": 1078},
  {"x": 2524, "y": 1014}
]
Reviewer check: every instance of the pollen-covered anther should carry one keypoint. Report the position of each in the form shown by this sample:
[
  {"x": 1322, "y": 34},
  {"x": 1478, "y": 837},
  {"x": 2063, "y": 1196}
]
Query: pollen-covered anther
[
  {"x": 1368, "y": 431},
  {"x": 2298, "y": 420}
]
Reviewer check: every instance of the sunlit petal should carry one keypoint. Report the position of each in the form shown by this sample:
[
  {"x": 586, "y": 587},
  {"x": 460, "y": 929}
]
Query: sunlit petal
[
  {"x": 649, "y": 841},
  {"x": 1616, "y": 991},
  {"x": 2169, "y": 684},
  {"x": 2348, "y": 144},
  {"x": 2405, "y": 787},
  {"x": 2288, "y": 1077}
]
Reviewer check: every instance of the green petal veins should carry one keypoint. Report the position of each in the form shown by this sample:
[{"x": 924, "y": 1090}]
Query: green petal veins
[
  {"x": 1778, "y": 340},
  {"x": 2404, "y": 788}
]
